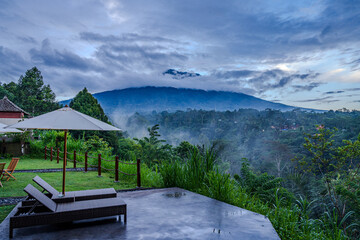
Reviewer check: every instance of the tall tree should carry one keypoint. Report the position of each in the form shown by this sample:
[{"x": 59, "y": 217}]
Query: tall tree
[
  {"x": 153, "y": 149},
  {"x": 4, "y": 92},
  {"x": 31, "y": 94},
  {"x": 85, "y": 103}
]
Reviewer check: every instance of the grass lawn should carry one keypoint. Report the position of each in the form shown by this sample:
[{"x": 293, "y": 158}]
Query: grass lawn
[
  {"x": 74, "y": 181},
  {"x": 4, "y": 211},
  {"x": 38, "y": 163}
]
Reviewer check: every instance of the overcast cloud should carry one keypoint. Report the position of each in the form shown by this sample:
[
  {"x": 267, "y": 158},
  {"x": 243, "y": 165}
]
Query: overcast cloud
[{"x": 303, "y": 53}]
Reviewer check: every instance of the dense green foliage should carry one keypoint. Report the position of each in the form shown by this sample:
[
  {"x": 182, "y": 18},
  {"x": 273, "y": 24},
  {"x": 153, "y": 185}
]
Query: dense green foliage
[
  {"x": 336, "y": 167},
  {"x": 269, "y": 139},
  {"x": 30, "y": 93},
  {"x": 152, "y": 149},
  {"x": 292, "y": 217}
]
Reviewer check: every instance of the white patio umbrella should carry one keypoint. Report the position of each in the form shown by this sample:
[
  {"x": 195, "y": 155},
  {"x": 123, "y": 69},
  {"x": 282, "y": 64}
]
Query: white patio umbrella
[
  {"x": 4, "y": 130},
  {"x": 8, "y": 130},
  {"x": 64, "y": 119}
]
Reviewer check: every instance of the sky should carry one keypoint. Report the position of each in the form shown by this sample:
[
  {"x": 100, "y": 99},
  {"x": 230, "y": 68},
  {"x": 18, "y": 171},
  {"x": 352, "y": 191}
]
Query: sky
[{"x": 299, "y": 53}]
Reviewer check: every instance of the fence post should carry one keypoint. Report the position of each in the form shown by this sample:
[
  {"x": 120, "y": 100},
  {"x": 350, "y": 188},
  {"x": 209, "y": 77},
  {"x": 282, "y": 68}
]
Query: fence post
[
  {"x": 45, "y": 152},
  {"x": 57, "y": 155},
  {"x": 74, "y": 158},
  {"x": 51, "y": 153},
  {"x": 99, "y": 165},
  {"x": 117, "y": 169},
  {"x": 138, "y": 173},
  {"x": 86, "y": 161}
]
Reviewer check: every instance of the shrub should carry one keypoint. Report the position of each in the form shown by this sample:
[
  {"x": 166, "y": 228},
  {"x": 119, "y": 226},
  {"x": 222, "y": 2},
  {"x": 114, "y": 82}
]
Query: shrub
[
  {"x": 219, "y": 186},
  {"x": 172, "y": 174}
]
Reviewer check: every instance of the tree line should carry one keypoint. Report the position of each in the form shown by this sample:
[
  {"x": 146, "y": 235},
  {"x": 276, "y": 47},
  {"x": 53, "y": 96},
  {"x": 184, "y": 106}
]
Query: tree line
[{"x": 30, "y": 93}]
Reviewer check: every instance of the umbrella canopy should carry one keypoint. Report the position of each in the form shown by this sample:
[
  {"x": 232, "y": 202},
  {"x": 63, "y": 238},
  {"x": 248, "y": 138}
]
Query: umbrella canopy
[
  {"x": 64, "y": 119},
  {"x": 8, "y": 130}
]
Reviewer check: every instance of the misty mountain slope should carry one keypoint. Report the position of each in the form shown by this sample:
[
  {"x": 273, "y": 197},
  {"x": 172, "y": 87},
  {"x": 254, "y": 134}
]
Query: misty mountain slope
[{"x": 148, "y": 99}]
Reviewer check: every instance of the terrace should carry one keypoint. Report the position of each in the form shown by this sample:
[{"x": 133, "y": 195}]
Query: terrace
[{"x": 170, "y": 213}]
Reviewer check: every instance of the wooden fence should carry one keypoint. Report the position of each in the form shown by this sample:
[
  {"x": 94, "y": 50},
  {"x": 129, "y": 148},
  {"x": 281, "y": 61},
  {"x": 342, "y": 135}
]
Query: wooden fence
[{"x": 55, "y": 153}]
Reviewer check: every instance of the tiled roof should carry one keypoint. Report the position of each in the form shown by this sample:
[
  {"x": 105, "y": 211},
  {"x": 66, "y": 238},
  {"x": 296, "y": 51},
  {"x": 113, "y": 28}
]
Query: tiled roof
[{"x": 8, "y": 106}]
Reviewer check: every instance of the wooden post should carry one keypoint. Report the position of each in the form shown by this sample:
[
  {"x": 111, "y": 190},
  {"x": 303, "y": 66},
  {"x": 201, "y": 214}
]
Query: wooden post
[
  {"x": 138, "y": 173},
  {"x": 51, "y": 153},
  {"x": 117, "y": 169},
  {"x": 45, "y": 152},
  {"x": 57, "y": 155},
  {"x": 86, "y": 161},
  {"x": 74, "y": 158},
  {"x": 64, "y": 163},
  {"x": 99, "y": 165}
]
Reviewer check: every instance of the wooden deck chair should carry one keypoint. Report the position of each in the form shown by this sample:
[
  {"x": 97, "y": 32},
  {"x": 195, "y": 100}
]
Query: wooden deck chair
[
  {"x": 2, "y": 166},
  {"x": 46, "y": 211},
  {"x": 74, "y": 195},
  {"x": 10, "y": 169}
]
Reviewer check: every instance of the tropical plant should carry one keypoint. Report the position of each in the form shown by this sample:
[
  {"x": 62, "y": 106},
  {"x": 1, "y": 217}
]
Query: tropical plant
[
  {"x": 219, "y": 186},
  {"x": 153, "y": 151},
  {"x": 263, "y": 184}
]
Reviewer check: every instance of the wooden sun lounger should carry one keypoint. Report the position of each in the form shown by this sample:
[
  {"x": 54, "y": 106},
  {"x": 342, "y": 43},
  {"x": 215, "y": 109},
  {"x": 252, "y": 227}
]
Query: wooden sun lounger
[
  {"x": 46, "y": 211},
  {"x": 75, "y": 195}
]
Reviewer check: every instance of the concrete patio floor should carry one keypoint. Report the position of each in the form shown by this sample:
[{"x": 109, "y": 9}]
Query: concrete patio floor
[{"x": 171, "y": 213}]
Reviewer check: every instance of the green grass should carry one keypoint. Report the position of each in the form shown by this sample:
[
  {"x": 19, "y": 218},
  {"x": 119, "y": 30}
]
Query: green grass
[
  {"x": 38, "y": 163},
  {"x": 74, "y": 181},
  {"x": 4, "y": 211}
]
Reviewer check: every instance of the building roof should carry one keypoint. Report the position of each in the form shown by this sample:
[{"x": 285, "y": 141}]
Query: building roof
[{"x": 8, "y": 106}]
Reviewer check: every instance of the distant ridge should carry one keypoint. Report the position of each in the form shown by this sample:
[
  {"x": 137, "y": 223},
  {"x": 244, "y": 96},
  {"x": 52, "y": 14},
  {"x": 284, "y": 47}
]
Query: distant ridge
[{"x": 148, "y": 99}]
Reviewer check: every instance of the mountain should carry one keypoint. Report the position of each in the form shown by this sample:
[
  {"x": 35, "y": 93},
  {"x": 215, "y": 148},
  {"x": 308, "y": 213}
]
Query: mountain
[{"x": 148, "y": 99}]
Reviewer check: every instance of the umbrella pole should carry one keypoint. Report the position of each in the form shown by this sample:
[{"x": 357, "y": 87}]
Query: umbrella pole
[{"x": 64, "y": 162}]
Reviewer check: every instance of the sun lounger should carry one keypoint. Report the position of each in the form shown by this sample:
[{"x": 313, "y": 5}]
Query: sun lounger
[
  {"x": 75, "y": 195},
  {"x": 45, "y": 211}
]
